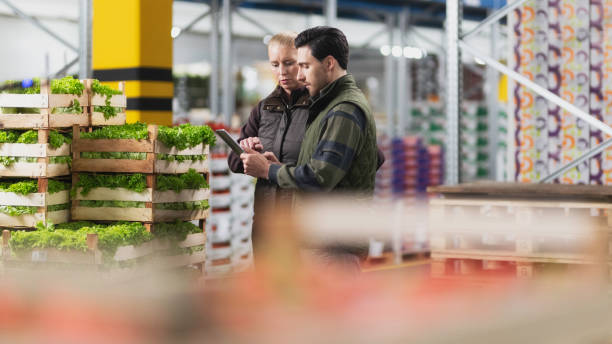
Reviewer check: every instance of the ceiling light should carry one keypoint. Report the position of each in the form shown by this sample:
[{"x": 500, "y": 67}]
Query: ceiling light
[
  {"x": 175, "y": 32},
  {"x": 385, "y": 50}
]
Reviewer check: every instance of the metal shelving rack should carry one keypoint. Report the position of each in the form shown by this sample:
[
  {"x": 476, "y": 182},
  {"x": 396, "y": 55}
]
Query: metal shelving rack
[
  {"x": 85, "y": 38},
  {"x": 456, "y": 44}
]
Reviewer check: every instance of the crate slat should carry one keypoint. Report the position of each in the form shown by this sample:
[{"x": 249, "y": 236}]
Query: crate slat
[
  {"x": 112, "y": 165},
  {"x": 183, "y": 196},
  {"x": 97, "y": 119},
  {"x": 174, "y": 167},
  {"x": 117, "y": 100},
  {"x": 33, "y": 150},
  {"x": 59, "y": 197},
  {"x": 31, "y": 200},
  {"x": 65, "y": 100},
  {"x": 160, "y": 215},
  {"x": 112, "y": 214},
  {"x": 60, "y": 216},
  {"x": 20, "y": 221},
  {"x": 68, "y": 120},
  {"x": 109, "y": 145},
  {"x": 196, "y": 239},
  {"x": 24, "y": 121},
  {"x": 51, "y": 255},
  {"x": 24, "y": 100},
  {"x": 118, "y": 194},
  {"x": 34, "y": 169},
  {"x": 34, "y": 199},
  {"x": 131, "y": 252},
  {"x": 136, "y": 214},
  {"x": 200, "y": 149}
]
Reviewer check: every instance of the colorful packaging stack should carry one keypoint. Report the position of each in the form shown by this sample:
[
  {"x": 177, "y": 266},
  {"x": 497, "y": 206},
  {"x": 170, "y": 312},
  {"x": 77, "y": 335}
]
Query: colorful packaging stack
[
  {"x": 384, "y": 175},
  {"x": 230, "y": 248},
  {"x": 474, "y": 142},
  {"x": 218, "y": 228},
  {"x": 410, "y": 167},
  {"x": 436, "y": 165}
]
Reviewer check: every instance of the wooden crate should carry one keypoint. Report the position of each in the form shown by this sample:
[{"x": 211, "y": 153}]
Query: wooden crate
[
  {"x": 151, "y": 147},
  {"x": 147, "y": 257},
  {"x": 46, "y": 102},
  {"x": 120, "y": 101},
  {"x": 42, "y": 151},
  {"x": 148, "y": 214},
  {"x": 525, "y": 223},
  {"x": 42, "y": 200}
]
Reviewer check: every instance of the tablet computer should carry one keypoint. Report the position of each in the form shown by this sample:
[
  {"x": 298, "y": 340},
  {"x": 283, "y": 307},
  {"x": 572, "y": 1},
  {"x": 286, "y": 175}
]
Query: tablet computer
[{"x": 229, "y": 140}]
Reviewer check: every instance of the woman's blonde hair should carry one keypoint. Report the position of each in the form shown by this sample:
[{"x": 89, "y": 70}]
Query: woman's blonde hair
[{"x": 284, "y": 38}]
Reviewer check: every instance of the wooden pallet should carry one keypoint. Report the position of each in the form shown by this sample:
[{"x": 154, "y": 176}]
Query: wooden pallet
[
  {"x": 151, "y": 256},
  {"x": 553, "y": 249},
  {"x": 42, "y": 151},
  {"x": 148, "y": 214},
  {"x": 42, "y": 200},
  {"x": 151, "y": 147},
  {"x": 120, "y": 101},
  {"x": 491, "y": 270},
  {"x": 522, "y": 222},
  {"x": 46, "y": 102}
]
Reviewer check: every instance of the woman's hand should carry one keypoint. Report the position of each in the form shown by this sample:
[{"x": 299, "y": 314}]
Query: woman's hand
[
  {"x": 271, "y": 157},
  {"x": 252, "y": 143}
]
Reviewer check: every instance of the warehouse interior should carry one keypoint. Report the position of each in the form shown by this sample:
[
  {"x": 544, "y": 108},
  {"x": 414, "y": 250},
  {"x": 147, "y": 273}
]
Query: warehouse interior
[{"x": 123, "y": 219}]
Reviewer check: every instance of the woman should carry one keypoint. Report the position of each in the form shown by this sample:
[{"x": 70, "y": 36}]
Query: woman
[{"x": 276, "y": 124}]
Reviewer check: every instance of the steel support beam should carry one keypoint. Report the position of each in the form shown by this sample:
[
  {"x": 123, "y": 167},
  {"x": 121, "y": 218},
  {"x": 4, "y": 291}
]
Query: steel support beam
[
  {"x": 493, "y": 18},
  {"x": 253, "y": 21},
  {"x": 62, "y": 71},
  {"x": 85, "y": 17},
  {"x": 453, "y": 90},
  {"x": 403, "y": 89},
  {"x": 539, "y": 90},
  {"x": 389, "y": 80},
  {"x": 213, "y": 87},
  {"x": 373, "y": 37},
  {"x": 572, "y": 164},
  {"x": 226, "y": 60},
  {"x": 39, "y": 25},
  {"x": 331, "y": 12},
  {"x": 491, "y": 83},
  {"x": 192, "y": 23}
]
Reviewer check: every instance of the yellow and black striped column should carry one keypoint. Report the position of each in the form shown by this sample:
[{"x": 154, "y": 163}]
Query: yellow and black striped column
[{"x": 132, "y": 42}]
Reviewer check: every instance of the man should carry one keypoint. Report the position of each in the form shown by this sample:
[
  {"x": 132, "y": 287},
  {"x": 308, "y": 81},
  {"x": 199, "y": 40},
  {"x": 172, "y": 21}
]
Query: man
[{"x": 339, "y": 149}]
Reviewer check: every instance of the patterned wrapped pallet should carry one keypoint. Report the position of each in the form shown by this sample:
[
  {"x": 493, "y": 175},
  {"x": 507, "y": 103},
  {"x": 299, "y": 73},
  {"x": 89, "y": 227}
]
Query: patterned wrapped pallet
[{"x": 519, "y": 230}]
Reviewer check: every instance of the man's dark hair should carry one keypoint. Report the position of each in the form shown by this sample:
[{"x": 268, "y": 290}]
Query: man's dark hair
[{"x": 324, "y": 41}]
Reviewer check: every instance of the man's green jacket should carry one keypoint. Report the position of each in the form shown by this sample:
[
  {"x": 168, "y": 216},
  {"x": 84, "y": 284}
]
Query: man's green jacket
[{"x": 339, "y": 150}]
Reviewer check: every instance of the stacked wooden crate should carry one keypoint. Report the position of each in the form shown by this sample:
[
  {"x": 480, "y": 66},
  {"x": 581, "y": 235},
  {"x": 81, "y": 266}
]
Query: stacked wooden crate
[
  {"x": 35, "y": 161},
  {"x": 529, "y": 225},
  {"x": 155, "y": 252},
  {"x": 151, "y": 167}
]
